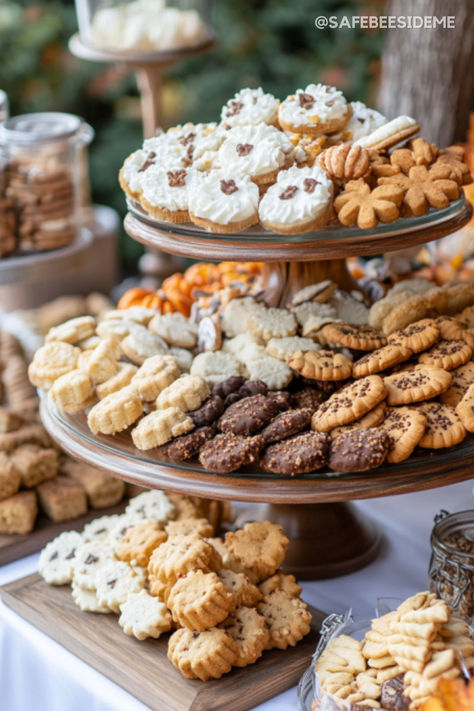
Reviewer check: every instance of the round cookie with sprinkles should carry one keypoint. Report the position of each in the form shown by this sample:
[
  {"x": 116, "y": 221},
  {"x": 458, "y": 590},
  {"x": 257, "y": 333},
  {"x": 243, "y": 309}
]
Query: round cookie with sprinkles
[
  {"x": 250, "y": 106},
  {"x": 444, "y": 427},
  {"x": 317, "y": 110},
  {"x": 298, "y": 202},
  {"x": 257, "y": 151},
  {"x": 447, "y": 354},
  {"x": 224, "y": 203},
  {"x": 165, "y": 193}
]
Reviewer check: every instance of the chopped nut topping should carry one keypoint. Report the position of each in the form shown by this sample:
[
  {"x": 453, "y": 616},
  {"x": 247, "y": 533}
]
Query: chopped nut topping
[
  {"x": 228, "y": 187},
  {"x": 176, "y": 178},
  {"x": 243, "y": 149},
  {"x": 149, "y": 160},
  {"x": 306, "y": 100},
  {"x": 288, "y": 192},
  {"x": 235, "y": 107},
  {"x": 309, "y": 184}
]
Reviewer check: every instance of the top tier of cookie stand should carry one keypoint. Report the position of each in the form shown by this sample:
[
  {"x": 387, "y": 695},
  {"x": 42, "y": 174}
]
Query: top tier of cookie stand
[{"x": 258, "y": 244}]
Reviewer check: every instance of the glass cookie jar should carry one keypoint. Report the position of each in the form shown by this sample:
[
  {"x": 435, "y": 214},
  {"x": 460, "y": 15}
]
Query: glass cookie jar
[
  {"x": 143, "y": 25},
  {"x": 451, "y": 571},
  {"x": 43, "y": 177}
]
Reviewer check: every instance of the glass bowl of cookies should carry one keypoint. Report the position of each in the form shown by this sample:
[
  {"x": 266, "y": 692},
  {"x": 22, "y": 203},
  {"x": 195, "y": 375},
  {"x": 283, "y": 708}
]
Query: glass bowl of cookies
[{"x": 393, "y": 662}]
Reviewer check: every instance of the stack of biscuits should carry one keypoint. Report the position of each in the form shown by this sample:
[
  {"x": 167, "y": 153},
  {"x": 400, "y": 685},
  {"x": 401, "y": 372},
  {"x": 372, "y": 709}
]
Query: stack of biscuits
[
  {"x": 161, "y": 567},
  {"x": 324, "y": 382},
  {"x": 399, "y": 662}
]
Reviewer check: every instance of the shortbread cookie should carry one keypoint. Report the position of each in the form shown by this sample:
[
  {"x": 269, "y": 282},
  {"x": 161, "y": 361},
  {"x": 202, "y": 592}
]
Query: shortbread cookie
[
  {"x": 154, "y": 376},
  {"x": 102, "y": 362},
  {"x": 316, "y": 110},
  {"x": 200, "y": 601},
  {"x": 299, "y": 201},
  {"x": 244, "y": 591},
  {"x": 419, "y": 336},
  {"x": 405, "y": 427},
  {"x": 118, "y": 329},
  {"x": 465, "y": 409},
  {"x": 87, "y": 600},
  {"x": 180, "y": 555},
  {"x": 151, "y": 506},
  {"x": 138, "y": 314},
  {"x": 10, "y": 477},
  {"x": 272, "y": 323},
  {"x": 360, "y": 338},
  {"x": 56, "y": 562},
  {"x": 259, "y": 547},
  {"x": 211, "y": 409},
  {"x": 229, "y": 452},
  {"x": 186, "y": 446},
  {"x": 143, "y": 616},
  {"x": 444, "y": 427},
  {"x": 158, "y": 427},
  {"x": 165, "y": 192},
  {"x": 203, "y": 655},
  {"x": 72, "y": 331},
  {"x": 359, "y": 450},
  {"x": 115, "y": 412},
  {"x": 248, "y": 415},
  {"x": 115, "y": 581},
  {"x": 256, "y": 151},
  {"x": 215, "y": 366},
  {"x": 98, "y": 529},
  {"x": 224, "y": 202},
  {"x": 235, "y": 314},
  {"x": 390, "y": 133},
  {"x": 321, "y": 365},
  {"x": 186, "y": 393},
  {"x": 286, "y": 424},
  {"x": 249, "y": 629},
  {"x": 447, "y": 354},
  {"x": 141, "y": 344},
  {"x": 371, "y": 419},
  {"x": 90, "y": 557},
  {"x": 287, "y": 618},
  {"x": 463, "y": 377},
  {"x": 360, "y": 204},
  {"x": 50, "y": 362},
  {"x": 422, "y": 382},
  {"x": 175, "y": 329},
  {"x": 300, "y": 454},
  {"x": 423, "y": 188},
  {"x": 250, "y": 106},
  {"x": 350, "y": 403},
  {"x": 72, "y": 391},
  {"x": 140, "y": 541},
  {"x": 282, "y": 348},
  {"x": 280, "y": 581},
  {"x": 33, "y": 463},
  {"x": 121, "y": 379},
  {"x": 380, "y": 360},
  {"x": 186, "y": 526}
]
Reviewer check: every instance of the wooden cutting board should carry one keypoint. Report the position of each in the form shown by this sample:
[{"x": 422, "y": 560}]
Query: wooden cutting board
[
  {"x": 142, "y": 668},
  {"x": 14, "y": 546}
]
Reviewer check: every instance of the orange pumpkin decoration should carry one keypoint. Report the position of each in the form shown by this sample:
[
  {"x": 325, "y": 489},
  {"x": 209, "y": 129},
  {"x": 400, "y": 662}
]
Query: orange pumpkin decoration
[
  {"x": 451, "y": 695},
  {"x": 135, "y": 297}
]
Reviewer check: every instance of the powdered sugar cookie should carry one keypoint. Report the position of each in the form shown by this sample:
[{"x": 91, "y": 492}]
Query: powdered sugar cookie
[
  {"x": 160, "y": 426},
  {"x": 56, "y": 562},
  {"x": 223, "y": 202},
  {"x": 138, "y": 314},
  {"x": 175, "y": 329},
  {"x": 272, "y": 323},
  {"x": 257, "y": 151},
  {"x": 141, "y": 344},
  {"x": 315, "y": 110},
  {"x": 154, "y": 376},
  {"x": 389, "y": 134},
  {"x": 115, "y": 581},
  {"x": 118, "y": 328},
  {"x": 282, "y": 348},
  {"x": 143, "y": 615},
  {"x": 86, "y": 600},
  {"x": 299, "y": 201},
  {"x": 215, "y": 366},
  {"x": 250, "y": 106},
  {"x": 165, "y": 193},
  {"x": 183, "y": 357},
  {"x": 235, "y": 314},
  {"x": 269, "y": 370}
]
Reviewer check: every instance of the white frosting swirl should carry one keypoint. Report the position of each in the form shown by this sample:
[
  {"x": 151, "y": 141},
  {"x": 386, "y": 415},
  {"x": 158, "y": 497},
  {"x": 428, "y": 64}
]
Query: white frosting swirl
[
  {"x": 328, "y": 104},
  {"x": 131, "y": 169},
  {"x": 159, "y": 187},
  {"x": 401, "y": 123},
  {"x": 362, "y": 123},
  {"x": 250, "y": 106},
  {"x": 307, "y": 193},
  {"x": 208, "y": 200},
  {"x": 254, "y": 150}
]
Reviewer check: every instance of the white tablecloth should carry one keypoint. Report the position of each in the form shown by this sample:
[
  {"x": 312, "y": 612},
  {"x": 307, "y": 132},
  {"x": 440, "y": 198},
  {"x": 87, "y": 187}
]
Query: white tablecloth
[{"x": 37, "y": 674}]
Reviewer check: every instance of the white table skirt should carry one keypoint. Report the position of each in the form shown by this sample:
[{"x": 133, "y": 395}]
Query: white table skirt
[{"x": 37, "y": 674}]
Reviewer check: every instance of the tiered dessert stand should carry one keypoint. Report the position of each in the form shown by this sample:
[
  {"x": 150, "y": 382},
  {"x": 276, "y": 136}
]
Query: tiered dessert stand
[{"x": 328, "y": 535}]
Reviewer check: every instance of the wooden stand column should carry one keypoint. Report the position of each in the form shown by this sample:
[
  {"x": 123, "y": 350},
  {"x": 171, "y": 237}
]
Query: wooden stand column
[{"x": 281, "y": 280}]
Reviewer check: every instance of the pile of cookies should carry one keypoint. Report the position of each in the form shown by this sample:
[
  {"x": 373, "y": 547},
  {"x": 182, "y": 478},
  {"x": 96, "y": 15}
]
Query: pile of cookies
[
  {"x": 292, "y": 166},
  {"x": 399, "y": 662},
  {"x": 161, "y": 567},
  {"x": 324, "y": 382}
]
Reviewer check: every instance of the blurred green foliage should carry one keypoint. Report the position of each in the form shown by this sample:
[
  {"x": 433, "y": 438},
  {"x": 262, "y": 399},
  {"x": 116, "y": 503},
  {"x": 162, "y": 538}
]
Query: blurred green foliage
[{"x": 272, "y": 43}]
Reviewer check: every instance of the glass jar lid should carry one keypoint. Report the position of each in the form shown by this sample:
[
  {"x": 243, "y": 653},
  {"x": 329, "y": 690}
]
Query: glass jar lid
[
  {"x": 454, "y": 535},
  {"x": 48, "y": 126}
]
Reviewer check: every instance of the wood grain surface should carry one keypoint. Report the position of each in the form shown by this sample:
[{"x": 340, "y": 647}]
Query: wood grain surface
[{"x": 142, "y": 668}]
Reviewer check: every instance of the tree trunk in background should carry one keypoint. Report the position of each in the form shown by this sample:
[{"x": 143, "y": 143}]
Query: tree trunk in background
[{"x": 429, "y": 73}]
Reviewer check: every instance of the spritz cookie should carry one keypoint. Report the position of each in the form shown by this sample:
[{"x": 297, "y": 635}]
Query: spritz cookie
[
  {"x": 186, "y": 393},
  {"x": 299, "y": 201},
  {"x": 159, "y": 427},
  {"x": 200, "y": 600},
  {"x": 256, "y": 151},
  {"x": 139, "y": 542},
  {"x": 73, "y": 330},
  {"x": 115, "y": 412},
  {"x": 72, "y": 391},
  {"x": 50, "y": 362},
  {"x": 143, "y": 615},
  {"x": 56, "y": 562},
  {"x": 175, "y": 329},
  {"x": 250, "y": 106},
  {"x": 315, "y": 110},
  {"x": 216, "y": 367},
  {"x": 259, "y": 547},
  {"x": 141, "y": 344},
  {"x": 165, "y": 193},
  {"x": 121, "y": 379},
  {"x": 250, "y": 631},
  {"x": 223, "y": 202},
  {"x": 287, "y": 617},
  {"x": 154, "y": 376},
  {"x": 101, "y": 363}
]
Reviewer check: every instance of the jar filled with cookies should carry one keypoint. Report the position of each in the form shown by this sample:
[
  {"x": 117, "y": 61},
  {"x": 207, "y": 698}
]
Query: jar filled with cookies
[
  {"x": 43, "y": 177},
  {"x": 7, "y": 213},
  {"x": 143, "y": 25},
  {"x": 451, "y": 571}
]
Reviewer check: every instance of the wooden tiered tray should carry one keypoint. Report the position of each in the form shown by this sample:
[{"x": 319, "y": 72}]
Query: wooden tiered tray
[{"x": 327, "y": 534}]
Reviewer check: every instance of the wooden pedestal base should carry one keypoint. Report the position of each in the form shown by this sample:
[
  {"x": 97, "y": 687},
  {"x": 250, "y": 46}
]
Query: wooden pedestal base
[{"x": 326, "y": 540}]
